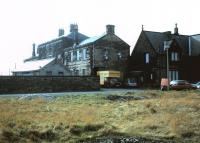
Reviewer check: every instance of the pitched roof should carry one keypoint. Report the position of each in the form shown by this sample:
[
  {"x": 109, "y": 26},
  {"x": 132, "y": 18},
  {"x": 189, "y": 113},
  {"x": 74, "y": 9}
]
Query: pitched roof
[
  {"x": 32, "y": 65},
  {"x": 91, "y": 40},
  {"x": 108, "y": 37},
  {"x": 81, "y": 37},
  {"x": 183, "y": 41},
  {"x": 195, "y": 45},
  {"x": 70, "y": 37},
  {"x": 157, "y": 38}
]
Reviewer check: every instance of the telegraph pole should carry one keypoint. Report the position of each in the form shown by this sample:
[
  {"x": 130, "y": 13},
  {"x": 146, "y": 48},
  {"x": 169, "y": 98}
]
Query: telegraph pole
[{"x": 166, "y": 47}]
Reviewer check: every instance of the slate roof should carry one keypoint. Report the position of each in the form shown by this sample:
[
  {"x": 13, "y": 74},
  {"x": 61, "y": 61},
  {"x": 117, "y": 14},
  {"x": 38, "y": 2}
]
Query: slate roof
[
  {"x": 157, "y": 39},
  {"x": 81, "y": 37},
  {"x": 32, "y": 65},
  {"x": 195, "y": 44},
  {"x": 70, "y": 37},
  {"x": 183, "y": 41},
  {"x": 91, "y": 40}
]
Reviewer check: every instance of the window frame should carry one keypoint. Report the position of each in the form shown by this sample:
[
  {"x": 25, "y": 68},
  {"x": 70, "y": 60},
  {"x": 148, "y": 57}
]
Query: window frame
[
  {"x": 147, "y": 58},
  {"x": 175, "y": 56}
]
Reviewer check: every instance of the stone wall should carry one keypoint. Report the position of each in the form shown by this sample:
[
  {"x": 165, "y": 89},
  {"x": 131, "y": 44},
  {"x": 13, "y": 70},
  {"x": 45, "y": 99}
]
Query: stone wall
[{"x": 33, "y": 84}]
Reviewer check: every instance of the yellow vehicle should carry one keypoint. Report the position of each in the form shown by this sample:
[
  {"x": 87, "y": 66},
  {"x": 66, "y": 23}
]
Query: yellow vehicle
[{"x": 110, "y": 78}]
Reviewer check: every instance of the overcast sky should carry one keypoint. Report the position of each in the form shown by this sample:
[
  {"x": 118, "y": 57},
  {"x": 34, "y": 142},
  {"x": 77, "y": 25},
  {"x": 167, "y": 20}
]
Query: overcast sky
[{"x": 23, "y": 22}]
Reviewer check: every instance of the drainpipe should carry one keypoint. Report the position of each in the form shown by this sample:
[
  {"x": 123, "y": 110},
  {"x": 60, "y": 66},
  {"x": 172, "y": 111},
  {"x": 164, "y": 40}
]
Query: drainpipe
[
  {"x": 190, "y": 48},
  {"x": 93, "y": 55},
  {"x": 92, "y": 64}
]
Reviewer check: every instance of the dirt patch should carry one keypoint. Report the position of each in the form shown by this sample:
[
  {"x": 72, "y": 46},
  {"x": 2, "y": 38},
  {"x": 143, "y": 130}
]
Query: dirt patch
[
  {"x": 35, "y": 136},
  {"x": 9, "y": 136},
  {"x": 124, "y": 98},
  {"x": 78, "y": 129},
  {"x": 118, "y": 139}
]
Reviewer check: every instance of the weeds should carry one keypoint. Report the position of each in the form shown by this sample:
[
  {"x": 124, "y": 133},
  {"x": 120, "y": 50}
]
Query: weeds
[
  {"x": 78, "y": 129},
  {"x": 72, "y": 118}
]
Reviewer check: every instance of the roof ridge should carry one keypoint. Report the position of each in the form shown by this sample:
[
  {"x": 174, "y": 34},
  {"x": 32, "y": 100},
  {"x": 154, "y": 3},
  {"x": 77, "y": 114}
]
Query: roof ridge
[
  {"x": 91, "y": 39},
  {"x": 169, "y": 31},
  {"x": 153, "y": 31},
  {"x": 194, "y": 35}
]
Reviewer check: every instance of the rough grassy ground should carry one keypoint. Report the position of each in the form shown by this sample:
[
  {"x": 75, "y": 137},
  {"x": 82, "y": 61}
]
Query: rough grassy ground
[{"x": 168, "y": 116}]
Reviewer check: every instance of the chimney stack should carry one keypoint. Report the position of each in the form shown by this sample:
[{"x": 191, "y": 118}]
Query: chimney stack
[
  {"x": 176, "y": 29},
  {"x": 73, "y": 28},
  {"x": 74, "y": 31},
  {"x": 33, "y": 53},
  {"x": 110, "y": 29},
  {"x": 61, "y": 32}
]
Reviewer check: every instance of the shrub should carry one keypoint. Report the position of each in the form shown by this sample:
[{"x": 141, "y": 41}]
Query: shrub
[{"x": 9, "y": 136}]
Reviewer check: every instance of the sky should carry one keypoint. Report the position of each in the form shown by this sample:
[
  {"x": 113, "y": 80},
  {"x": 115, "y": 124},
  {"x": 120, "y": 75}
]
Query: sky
[{"x": 24, "y": 22}]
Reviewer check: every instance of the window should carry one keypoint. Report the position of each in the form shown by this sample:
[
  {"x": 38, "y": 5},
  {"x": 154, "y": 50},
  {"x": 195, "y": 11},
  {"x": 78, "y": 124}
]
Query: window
[
  {"x": 65, "y": 54},
  {"x": 151, "y": 76},
  {"x": 71, "y": 56},
  {"x": 74, "y": 55},
  {"x": 174, "y": 56},
  {"x": 49, "y": 73},
  {"x": 83, "y": 71},
  {"x": 146, "y": 58},
  {"x": 76, "y": 72},
  {"x": 119, "y": 55},
  {"x": 173, "y": 75},
  {"x": 60, "y": 73},
  {"x": 59, "y": 56},
  {"x": 84, "y": 54},
  {"x": 77, "y": 55},
  {"x": 65, "y": 62},
  {"x": 106, "y": 54},
  {"x": 80, "y": 54}
]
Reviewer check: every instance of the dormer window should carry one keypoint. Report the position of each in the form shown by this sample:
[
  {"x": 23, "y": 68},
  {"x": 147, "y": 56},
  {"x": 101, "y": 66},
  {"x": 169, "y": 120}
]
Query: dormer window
[
  {"x": 174, "y": 56},
  {"x": 146, "y": 58}
]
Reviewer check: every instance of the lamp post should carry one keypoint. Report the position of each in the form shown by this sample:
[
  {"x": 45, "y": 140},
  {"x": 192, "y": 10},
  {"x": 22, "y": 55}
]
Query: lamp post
[{"x": 166, "y": 47}]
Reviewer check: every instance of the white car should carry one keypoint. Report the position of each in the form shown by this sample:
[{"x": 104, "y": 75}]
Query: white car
[
  {"x": 197, "y": 85},
  {"x": 131, "y": 82}
]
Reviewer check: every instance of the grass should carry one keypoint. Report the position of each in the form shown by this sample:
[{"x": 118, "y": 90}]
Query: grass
[{"x": 173, "y": 115}]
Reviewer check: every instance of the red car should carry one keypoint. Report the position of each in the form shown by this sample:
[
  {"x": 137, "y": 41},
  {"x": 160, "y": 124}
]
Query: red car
[{"x": 180, "y": 85}]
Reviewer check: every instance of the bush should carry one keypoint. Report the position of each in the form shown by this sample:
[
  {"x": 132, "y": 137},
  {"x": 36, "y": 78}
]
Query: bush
[
  {"x": 9, "y": 136},
  {"x": 78, "y": 129}
]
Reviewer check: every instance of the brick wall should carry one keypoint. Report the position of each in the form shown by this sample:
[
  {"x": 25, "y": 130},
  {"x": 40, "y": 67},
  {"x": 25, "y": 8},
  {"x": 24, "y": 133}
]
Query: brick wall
[{"x": 33, "y": 84}]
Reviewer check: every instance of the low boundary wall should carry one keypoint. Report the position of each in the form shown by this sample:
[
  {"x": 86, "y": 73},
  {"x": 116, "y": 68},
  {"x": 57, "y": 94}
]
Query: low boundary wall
[{"x": 35, "y": 84}]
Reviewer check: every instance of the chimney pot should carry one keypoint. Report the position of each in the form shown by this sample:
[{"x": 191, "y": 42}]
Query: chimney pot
[
  {"x": 73, "y": 28},
  {"x": 176, "y": 29},
  {"x": 33, "y": 53},
  {"x": 61, "y": 32}
]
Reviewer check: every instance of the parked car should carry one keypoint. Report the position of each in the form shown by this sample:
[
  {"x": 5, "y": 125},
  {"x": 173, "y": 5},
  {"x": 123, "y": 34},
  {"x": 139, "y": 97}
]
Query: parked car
[
  {"x": 180, "y": 85},
  {"x": 131, "y": 82},
  {"x": 197, "y": 85},
  {"x": 113, "y": 82}
]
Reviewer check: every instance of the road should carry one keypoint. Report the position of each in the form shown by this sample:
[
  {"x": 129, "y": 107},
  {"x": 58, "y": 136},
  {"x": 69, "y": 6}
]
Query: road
[{"x": 104, "y": 91}]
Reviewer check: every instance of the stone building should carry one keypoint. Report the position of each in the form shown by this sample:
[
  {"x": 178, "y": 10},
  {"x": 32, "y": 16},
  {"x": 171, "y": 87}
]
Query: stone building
[
  {"x": 99, "y": 53},
  {"x": 55, "y": 47},
  {"x": 148, "y": 58},
  {"x": 49, "y": 58},
  {"x": 44, "y": 67},
  {"x": 79, "y": 54}
]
